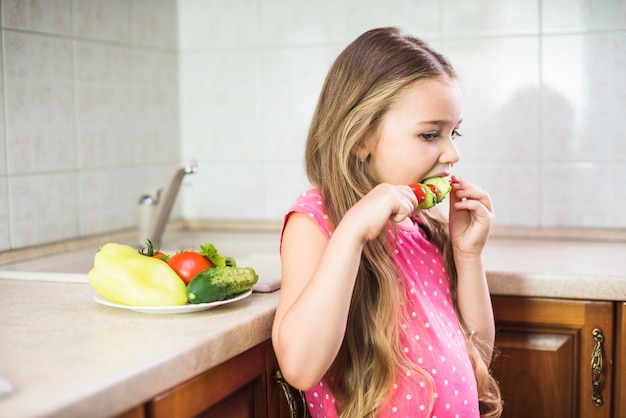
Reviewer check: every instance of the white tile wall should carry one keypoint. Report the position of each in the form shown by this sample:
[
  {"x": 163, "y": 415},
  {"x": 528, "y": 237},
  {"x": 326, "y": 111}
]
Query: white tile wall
[
  {"x": 154, "y": 107},
  {"x": 294, "y": 76},
  {"x": 154, "y": 23},
  {"x": 583, "y": 15},
  {"x": 106, "y": 20},
  {"x": 3, "y": 148},
  {"x": 105, "y": 111},
  {"x": 585, "y": 95},
  {"x": 301, "y": 22},
  {"x": 490, "y": 17},
  {"x": 101, "y": 98},
  {"x": 99, "y": 188},
  {"x": 206, "y": 24},
  {"x": 423, "y": 17},
  {"x": 5, "y": 232},
  {"x": 501, "y": 112},
  {"x": 51, "y": 16},
  {"x": 43, "y": 208},
  {"x": 39, "y": 100},
  {"x": 221, "y": 111},
  {"x": 543, "y": 81},
  {"x": 90, "y": 95}
]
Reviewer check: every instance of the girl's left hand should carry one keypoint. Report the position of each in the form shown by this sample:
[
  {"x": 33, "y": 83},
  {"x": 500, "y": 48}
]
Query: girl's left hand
[{"x": 471, "y": 215}]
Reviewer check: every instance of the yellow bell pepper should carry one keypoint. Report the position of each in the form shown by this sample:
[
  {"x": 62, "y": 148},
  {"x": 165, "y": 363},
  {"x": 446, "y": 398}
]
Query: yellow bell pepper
[{"x": 122, "y": 275}]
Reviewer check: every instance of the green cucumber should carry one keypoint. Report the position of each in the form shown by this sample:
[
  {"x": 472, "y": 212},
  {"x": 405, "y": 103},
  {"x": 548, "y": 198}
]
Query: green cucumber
[
  {"x": 442, "y": 185},
  {"x": 430, "y": 199},
  {"x": 220, "y": 283}
]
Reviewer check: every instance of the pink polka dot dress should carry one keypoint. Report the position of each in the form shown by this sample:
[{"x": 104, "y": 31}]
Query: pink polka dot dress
[{"x": 431, "y": 336}]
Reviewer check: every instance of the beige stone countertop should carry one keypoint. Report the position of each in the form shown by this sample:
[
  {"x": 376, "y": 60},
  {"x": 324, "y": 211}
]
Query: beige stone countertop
[
  {"x": 67, "y": 356},
  {"x": 570, "y": 269}
]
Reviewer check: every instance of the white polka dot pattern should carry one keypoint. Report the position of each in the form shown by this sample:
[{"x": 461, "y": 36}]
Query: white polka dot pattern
[{"x": 431, "y": 336}]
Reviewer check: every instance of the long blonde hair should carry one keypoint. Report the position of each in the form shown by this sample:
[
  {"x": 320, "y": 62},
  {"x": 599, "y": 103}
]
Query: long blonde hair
[{"x": 361, "y": 85}]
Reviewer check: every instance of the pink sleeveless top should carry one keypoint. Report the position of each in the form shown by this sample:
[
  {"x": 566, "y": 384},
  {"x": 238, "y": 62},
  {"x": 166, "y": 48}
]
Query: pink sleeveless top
[{"x": 432, "y": 338}]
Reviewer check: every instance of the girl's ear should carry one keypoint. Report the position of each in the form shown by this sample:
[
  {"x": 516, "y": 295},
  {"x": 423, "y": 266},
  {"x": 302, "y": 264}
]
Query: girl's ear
[{"x": 360, "y": 150}]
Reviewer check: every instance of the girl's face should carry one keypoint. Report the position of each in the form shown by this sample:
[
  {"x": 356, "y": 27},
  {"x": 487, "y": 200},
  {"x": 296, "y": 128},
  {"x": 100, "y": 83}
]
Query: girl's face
[{"x": 416, "y": 136}]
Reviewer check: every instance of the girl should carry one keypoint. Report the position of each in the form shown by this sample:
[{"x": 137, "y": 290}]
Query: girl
[{"x": 384, "y": 309}]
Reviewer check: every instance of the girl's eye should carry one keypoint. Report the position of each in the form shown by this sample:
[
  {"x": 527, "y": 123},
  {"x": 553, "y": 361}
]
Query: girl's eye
[
  {"x": 429, "y": 136},
  {"x": 456, "y": 134}
]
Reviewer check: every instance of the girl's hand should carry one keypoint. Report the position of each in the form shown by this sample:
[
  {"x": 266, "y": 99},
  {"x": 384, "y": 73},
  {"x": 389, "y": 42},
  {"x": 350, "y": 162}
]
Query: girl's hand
[
  {"x": 384, "y": 202},
  {"x": 471, "y": 215}
]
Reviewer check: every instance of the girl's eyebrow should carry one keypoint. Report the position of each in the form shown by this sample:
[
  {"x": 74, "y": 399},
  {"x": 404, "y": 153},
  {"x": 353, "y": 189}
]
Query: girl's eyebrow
[{"x": 438, "y": 122}]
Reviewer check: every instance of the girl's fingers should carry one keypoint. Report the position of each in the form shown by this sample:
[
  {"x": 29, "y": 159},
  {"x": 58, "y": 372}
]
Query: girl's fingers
[
  {"x": 477, "y": 196},
  {"x": 475, "y": 206},
  {"x": 382, "y": 204},
  {"x": 406, "y": 204},
  {"x": 465, "y": 191}
]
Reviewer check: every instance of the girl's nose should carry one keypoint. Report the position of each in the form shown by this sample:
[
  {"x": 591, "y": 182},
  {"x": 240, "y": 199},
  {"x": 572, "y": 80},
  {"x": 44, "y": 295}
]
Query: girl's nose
[{"x": 450, "y": 153}]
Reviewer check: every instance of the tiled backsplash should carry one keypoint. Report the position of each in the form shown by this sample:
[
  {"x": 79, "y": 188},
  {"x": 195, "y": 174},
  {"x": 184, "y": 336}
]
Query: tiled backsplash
[
  {"x": 544, "y": 83},
  {"x": 90, "y": 115},
  {"x": 101, "y": 98}
]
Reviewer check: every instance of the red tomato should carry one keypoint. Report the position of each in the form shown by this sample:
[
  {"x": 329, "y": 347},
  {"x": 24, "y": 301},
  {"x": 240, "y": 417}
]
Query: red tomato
[
  {"x": 419, "y": 191},
  {"x": 434, "y": 190},
  {"x": 188, "y": 264}
]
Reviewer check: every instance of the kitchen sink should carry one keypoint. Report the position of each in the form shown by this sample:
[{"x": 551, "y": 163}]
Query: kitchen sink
[{"x": 254, "y": 249}]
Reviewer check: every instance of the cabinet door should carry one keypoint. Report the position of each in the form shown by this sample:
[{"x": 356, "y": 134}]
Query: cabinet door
[
  {"x": 137, "y": 412},
  {"x": 233, "y": 389},
  {"x": 546, "y": 348},
  {"x": 620, "y": 361},
  {"x": 245, "y": 403}
]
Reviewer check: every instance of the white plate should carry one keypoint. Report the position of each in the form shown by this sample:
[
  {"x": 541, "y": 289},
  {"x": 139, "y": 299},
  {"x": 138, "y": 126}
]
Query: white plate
[{"x": 190, "y": 307}]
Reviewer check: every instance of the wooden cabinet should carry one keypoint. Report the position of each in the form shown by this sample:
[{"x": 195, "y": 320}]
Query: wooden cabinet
[
  {"x": 234, "y": 389},
  {"x": 557, "y": 358},
  {"x": 241, "y": 387},
  {"x": 619, "y": 393},
  {"x": 137, "y": 412},
  {"x": 547, "y": 350}
]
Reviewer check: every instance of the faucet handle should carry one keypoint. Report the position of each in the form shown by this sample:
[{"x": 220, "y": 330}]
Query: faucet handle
[
  {"x": 148, "y": 200},
  {"x": 189, "y": 166}
]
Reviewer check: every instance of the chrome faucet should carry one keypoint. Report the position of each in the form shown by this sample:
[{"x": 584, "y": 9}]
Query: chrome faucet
[{"x": 156, "y": 205}]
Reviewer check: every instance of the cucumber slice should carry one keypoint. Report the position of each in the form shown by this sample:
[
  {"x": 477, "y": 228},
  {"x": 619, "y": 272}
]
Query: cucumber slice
[
  {"x": 430, "y": 199},
  {"x": 442, "y": 185}
]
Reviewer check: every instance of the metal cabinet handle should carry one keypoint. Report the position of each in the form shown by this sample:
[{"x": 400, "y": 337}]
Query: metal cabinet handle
[
  {"x": 597, "y": 367},
  {"x": 294, "y": 411}
]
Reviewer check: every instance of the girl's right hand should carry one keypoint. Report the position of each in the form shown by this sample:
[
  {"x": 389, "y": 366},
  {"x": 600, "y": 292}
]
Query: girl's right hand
[{"x": 384, "y": 202}]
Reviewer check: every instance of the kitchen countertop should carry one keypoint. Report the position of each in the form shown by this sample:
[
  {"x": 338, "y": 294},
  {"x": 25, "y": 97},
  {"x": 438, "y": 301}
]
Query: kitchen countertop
[
  {"x": 590, "y": 270},
  {"x": 67, "y": 356}
]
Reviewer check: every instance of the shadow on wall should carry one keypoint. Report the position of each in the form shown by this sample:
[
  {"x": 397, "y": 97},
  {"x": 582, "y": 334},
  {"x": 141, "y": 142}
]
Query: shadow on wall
[{"x": 521, "y": 195}]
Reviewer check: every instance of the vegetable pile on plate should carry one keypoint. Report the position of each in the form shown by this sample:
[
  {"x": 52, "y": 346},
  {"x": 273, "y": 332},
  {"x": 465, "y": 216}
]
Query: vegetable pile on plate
[{"x": 149, "y": 277}]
